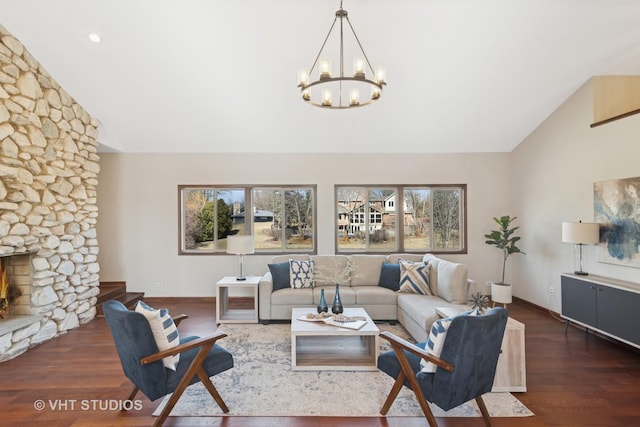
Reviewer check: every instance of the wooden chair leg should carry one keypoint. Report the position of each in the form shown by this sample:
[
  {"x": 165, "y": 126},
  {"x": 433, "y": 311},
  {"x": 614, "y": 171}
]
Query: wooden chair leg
[
  {"x": 196, "y": 364},
  {"x": 417, "y": 390},
  {"x": 397, "y": 386},
  {"x": 484, "y": 411},
  {"x": 133, "y": 393},
  {"x": 212, "y": 390}
]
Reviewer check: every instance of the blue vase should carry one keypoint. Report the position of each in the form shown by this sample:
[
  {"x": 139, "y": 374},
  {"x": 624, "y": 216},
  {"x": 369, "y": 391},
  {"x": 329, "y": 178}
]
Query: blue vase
[
  {"x": 322, "y": 305},
  {"x": 337, "y": 302}
]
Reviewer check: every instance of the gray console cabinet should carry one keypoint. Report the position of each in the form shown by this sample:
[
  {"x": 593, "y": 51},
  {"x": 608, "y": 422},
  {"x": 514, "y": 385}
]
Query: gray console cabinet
[{"x": 609, "y": 306}]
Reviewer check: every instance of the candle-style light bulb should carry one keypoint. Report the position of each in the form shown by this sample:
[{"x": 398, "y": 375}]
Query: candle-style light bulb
[
  {"x": 358, "y": 67},
  {"x": 326, "y": 98},
  {"x": 325, "y": 68}
]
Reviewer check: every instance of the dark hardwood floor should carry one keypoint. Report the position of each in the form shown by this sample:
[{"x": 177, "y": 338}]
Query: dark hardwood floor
[{"x": 576, "y": 379}]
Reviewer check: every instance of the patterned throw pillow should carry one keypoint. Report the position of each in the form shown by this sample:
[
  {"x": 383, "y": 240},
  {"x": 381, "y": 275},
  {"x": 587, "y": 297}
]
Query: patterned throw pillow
[
  {"x": 300, "y": 274},
  {"x": 414, "y": 277},
  {"x": 437, "y": 335},
  {"x": 164, "y": 331}
]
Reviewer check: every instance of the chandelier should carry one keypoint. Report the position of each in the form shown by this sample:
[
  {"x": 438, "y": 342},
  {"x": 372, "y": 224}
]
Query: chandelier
[{"x": 327, "y": 90}]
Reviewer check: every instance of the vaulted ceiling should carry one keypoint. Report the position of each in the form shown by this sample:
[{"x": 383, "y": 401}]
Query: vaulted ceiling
[{"x": 220, "y": 76}]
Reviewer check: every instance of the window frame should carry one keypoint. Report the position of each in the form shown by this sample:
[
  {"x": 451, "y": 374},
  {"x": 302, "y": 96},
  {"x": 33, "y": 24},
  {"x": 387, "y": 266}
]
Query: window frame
[
  {"x": 399, "y": 221},
  {"x": 248, "y": 222}
]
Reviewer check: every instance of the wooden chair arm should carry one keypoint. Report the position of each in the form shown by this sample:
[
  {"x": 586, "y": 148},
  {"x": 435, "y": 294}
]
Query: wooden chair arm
[
  {"x": 199, "y": 342},
  {"x": 179, "y": 318},
  {"x": 402, "y": 344}
]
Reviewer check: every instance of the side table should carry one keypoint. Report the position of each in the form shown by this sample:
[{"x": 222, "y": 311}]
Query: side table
[
  {"x": 511, "y": 369},
  {"x": 224, "y": 314}
]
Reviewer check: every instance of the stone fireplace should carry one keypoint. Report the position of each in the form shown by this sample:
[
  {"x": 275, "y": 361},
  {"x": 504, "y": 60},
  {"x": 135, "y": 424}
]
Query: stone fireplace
[{"x": 48, "y": 213}]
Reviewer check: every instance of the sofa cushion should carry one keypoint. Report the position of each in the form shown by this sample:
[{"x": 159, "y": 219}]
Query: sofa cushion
[
  {"x": 347, "y": 295},
  {"x": 414, "y": 277},
  {"x": 293, "y": 297},
  {"x": 280, "y": 275},
  {"x": 374, "y": 295},
  {"x": 331, "y": 269},
  {"x": 285, "y": 258},
  {"x": 420, "y": 308},
  {"x": 300, "y": 274},
  {"x": 366, "y": 269},
  {"x": 448, "y": 280},
  {"x": 395, "y": 258},
  {"x": 390, "y": 276}
]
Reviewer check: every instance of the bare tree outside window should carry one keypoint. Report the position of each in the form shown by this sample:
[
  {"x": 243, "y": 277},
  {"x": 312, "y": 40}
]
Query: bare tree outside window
[{"x": 446, "y": 218}]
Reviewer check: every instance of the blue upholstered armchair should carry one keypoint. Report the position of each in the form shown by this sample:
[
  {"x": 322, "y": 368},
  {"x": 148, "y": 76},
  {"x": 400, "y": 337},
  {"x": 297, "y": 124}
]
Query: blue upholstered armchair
[
  {"x": 465, "y": 369},
  {"x": 200, "y": 358}
]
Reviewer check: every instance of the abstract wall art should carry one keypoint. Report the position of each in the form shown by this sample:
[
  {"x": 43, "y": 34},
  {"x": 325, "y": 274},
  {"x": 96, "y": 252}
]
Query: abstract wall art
[{"x": 616, "y": 205}]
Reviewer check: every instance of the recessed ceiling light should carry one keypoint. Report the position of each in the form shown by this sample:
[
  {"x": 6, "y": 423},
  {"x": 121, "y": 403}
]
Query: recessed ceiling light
[{"x": 95, "y": 37}]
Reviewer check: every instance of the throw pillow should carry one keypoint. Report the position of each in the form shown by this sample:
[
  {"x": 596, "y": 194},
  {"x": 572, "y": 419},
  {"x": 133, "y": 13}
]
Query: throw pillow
[
  {"x": 279, "y": 275},
  {"x": 300, "y": 274},
  {"x": 390, "y": 276},
  {"x": 164, "y": 331},
  {"x": 414, "y": 277},
  {"x": 437, "y": 335}
]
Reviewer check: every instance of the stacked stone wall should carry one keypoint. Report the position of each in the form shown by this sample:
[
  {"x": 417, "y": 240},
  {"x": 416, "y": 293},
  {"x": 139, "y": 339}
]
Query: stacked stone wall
[{"x": 48, "y": 177}]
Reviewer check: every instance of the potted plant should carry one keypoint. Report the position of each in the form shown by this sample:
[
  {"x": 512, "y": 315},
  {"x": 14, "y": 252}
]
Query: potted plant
[{"x": 504, "y": 240}]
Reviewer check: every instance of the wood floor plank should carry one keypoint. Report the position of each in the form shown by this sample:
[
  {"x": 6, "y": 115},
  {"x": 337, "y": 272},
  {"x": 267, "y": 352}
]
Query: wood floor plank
[{"x": 576, "y": 379}]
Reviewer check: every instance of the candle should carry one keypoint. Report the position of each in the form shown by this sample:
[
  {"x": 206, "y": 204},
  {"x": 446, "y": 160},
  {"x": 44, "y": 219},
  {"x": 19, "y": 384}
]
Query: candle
[
  {"x": 354, "y": 96},
  {"x": 303, "y": 77},
  {"x": 358, "y": 67},
  {"x": 325, "y": 68},
  {"x": 381, "y": 74},
  {"x": 326, "y": 98}
]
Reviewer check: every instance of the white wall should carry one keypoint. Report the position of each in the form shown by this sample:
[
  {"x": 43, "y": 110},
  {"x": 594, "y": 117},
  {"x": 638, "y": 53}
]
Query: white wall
[
  {"x": 138, "y": 202},
  {"x": 554, "y": 170}
]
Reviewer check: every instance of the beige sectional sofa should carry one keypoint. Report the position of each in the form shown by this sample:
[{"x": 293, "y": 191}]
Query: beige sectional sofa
[{"x": 360, "y": 286}]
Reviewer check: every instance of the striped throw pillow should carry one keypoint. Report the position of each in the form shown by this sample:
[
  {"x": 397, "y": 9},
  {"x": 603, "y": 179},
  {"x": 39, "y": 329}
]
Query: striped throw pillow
[
  {"x": 437, "y": 335},
  {"x": 164, "y": 331}
]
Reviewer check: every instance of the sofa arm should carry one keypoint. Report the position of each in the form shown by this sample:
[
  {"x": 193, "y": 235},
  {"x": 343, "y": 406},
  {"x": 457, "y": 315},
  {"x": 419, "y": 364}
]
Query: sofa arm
[{"x": 265, "y": 288}]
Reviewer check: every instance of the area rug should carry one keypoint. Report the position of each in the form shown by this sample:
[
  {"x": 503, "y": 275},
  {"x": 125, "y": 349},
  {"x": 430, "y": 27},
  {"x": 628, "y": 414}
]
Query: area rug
[{"x": 263, "y": 384}]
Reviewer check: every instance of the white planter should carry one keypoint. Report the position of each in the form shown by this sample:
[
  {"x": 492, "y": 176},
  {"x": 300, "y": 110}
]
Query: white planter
[{"x": 501, "y": 293}]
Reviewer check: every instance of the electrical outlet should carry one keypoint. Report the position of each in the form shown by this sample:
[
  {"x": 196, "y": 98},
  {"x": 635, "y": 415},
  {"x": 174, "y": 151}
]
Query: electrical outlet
[
  {"x": 552, "y": 291},
  {"x": 159, "y": 284}
]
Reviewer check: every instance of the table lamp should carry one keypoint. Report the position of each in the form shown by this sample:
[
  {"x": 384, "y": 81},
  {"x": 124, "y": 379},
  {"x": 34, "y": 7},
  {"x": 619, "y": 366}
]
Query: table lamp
[
  {"x": 240, "y": 245},
  {"x": 580, "y": 234}
]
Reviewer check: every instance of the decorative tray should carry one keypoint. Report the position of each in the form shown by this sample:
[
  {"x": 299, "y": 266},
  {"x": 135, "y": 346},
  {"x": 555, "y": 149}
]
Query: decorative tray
[
  {"x": 313, "y": 317},
  {"x": 339, "y": 320}
]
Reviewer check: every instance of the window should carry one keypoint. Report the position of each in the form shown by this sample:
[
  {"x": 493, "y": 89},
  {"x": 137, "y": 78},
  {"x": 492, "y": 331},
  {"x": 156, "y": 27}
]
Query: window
[
  {"x": 282, "y": 218},
  {"x": 401, "y": 218}
]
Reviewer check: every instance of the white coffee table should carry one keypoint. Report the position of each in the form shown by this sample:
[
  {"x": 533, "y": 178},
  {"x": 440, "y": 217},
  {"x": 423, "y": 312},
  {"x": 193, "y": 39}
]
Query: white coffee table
[{"x": 316, "y": 346}]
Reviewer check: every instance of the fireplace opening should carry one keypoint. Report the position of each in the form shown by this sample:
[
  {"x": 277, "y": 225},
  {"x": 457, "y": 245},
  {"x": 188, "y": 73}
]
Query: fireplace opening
[
  {"x": 15, "y": 293},
  {"x": 15, "y": 284}
]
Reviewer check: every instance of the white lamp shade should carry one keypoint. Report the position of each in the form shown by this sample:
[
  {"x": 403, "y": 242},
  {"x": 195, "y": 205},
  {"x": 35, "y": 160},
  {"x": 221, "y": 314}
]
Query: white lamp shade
[
  {"x": 501, "y": 293},
  {"x": 581, "y": 232},
  {"x": 240, "y": 245}
]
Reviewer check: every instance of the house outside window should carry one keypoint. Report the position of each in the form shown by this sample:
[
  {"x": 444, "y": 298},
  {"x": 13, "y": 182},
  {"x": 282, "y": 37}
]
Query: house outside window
[{"x": 428, "y": 218}]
